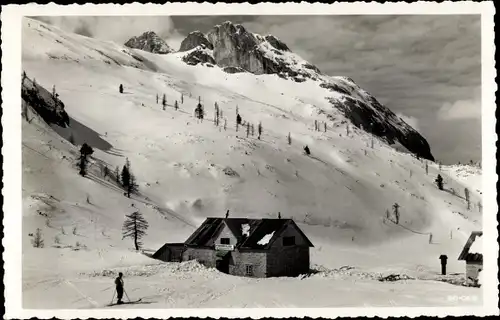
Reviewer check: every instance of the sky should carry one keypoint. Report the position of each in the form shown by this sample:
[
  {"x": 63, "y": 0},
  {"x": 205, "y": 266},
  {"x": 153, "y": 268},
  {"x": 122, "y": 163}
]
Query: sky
[{"x": 425, "y": 68}]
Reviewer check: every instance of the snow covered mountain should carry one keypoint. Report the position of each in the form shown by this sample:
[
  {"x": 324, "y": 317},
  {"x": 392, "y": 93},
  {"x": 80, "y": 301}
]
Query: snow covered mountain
[
  {"x": 235, "y": 49},
  {"x": 150, "y": 42},
  {"x": 188, "y": 170}
]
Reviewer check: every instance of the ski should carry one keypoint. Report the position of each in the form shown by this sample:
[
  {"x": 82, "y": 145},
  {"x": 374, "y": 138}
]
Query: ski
[{"x": 125, "y": 302}]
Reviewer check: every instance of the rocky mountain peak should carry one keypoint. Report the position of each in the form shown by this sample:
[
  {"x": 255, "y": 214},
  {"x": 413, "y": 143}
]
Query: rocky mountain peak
[
  {"x": 235, "y": 49},
  {"x": 195, "y": 39},
  {"x": 149, "y": 41}
]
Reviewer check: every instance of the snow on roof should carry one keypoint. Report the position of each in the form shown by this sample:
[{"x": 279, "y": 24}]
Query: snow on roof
[
  {"x": 265, "y": 240},
  {"x": 245, "y": 229},
  {"x": 477, "y": 246}
]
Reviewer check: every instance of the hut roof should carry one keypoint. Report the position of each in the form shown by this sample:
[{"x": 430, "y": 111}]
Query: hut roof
[{"x": 466, "y": 254}]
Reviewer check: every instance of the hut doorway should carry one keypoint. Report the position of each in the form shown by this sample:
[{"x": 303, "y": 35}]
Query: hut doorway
[{"x": 222, "y": 262}]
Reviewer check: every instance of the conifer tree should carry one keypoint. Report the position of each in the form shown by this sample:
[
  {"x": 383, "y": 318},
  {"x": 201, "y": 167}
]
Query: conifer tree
[
  {"x": 259, "y": 130},
  {"x": 324, "y": 123},
  {"x": 164, "y": 101},
  {"x": 176, "y": 105},
  {"x": 225, "y": 124},
  {"x": 289, "y": 138},
  {"x": 135, "y": 227},
  {"x": 439, "y": 182},
  {"x": 121, "y": 88},
  {"x": 182, "y": 98},
  {"x": 37, "y": 240},
  {"x": 248, "y": 129},
  {"x": 157, "y": 98},
  {"x": 85, "y": 151},
  {"x": 426, "y": 167}
]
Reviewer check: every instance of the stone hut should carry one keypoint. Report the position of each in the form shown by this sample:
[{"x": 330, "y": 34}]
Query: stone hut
[{"x": 245, "y": 247}]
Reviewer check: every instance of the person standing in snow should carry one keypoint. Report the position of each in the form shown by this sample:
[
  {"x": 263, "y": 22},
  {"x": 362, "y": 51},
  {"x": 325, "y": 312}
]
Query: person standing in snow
[{"x": 119, "y": 287}]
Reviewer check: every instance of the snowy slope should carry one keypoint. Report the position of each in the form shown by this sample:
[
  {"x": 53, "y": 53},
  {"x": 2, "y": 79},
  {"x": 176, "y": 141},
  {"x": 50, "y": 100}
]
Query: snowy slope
[{"x": 338, "y": 196}]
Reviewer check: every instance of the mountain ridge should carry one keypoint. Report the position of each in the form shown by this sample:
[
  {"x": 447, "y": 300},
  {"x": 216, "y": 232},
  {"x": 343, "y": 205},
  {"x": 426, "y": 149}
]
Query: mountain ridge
[{"x": 234, "y": 49}]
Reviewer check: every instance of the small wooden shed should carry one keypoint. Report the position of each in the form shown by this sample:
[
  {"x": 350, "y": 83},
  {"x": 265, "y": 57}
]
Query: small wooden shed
[{"x": 473, "y": 259}]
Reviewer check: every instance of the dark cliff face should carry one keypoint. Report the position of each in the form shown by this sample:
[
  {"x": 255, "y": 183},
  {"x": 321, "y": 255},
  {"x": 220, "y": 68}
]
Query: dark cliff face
[
  {"x": 195, "y": 39},
  {"x": 235, "y": 49},
  {"x": 50, "y": 108},
  {"x": 150, "y": 42}
]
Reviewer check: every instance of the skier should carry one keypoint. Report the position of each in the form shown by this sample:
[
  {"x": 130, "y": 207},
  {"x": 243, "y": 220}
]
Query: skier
[{"x": 119, "y": 288}]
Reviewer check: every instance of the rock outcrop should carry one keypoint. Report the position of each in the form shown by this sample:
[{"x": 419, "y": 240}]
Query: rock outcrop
[
  {"x": 44, "y": 103},
  {"x": 150, "y": 42},
  {"x": 197, "y": 56},
  {"x": 195, "y": 39}
]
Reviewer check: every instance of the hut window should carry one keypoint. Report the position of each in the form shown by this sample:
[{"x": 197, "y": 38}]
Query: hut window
[
  {"x": 288, "y": 241},
  {"x": 224, "y": 241},
  {"x": 249, "y": 270}
]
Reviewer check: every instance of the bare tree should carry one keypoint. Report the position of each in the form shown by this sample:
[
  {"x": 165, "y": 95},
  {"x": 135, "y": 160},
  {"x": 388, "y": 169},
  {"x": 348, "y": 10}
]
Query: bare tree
[
  {"x": 467, "y": 198},
  {"x": 395, "y": 208},
  {"x": 135, "y": 227}
]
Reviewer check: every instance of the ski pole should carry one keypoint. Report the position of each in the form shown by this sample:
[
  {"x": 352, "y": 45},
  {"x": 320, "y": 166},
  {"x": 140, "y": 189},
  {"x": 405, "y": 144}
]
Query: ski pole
[
  {"x": 112, "y": 298},
  {"x": 126, "y": 294}
]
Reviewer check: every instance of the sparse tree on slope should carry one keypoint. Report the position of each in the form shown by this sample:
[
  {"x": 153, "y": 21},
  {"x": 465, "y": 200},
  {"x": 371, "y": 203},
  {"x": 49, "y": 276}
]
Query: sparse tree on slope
[
  {"x": 426, "y": 167},
  {"x": 85, "y": 151},
  {"x": 135, "y": 227},
  {"x": 128, "y": 179},
  {"x": 117, "y": 175},
  {"x": 238, "y": 121},
  {"x": 198, "y": 111},
  {"x": 259, "y": 130},
  {"x": 37, "y": 240},
  {"x": 315, "y": 125},
  {"x": 347, "y": 131},
  {"x": 176, "y": 105},
  {"x": 182, "y": 98},
  {"x": 324, "y": 123},
  {"x": 216, "y": 120},
  {"x": 164, "y": 101},
  {"x": 289, "y": 138},
  {"x": 157, "y": 98},
  {"x": 395, "y": 208},
  {"x": 467, "y": 198},
  {"x": 439, "y": 182},
  {"x": 248, "y": 129},
  {"x": 121, "y": 88}
]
